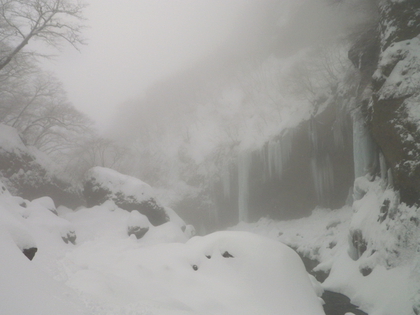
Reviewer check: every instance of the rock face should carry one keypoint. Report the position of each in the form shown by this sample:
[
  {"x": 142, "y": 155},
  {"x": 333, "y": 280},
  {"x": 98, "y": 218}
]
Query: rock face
[
  {"x": 128, "y": 193},
  {"x": 395, "y": 103}
]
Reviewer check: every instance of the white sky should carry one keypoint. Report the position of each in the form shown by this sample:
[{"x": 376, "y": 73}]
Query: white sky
[{"x": 132, "y": 43}]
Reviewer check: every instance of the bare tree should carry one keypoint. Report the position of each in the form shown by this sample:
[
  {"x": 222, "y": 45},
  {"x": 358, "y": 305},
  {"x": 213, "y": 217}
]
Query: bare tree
[
  {"x": 51, "y": 21},
  {"x": 319, "y": 71}
]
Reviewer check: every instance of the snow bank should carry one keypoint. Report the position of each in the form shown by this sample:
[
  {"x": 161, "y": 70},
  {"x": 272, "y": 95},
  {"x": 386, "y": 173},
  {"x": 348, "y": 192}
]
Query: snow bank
[
  {"x": 26, "y": 289},
  {"x": 379, "y": 270},
  {"x": 163, "y": 273}
]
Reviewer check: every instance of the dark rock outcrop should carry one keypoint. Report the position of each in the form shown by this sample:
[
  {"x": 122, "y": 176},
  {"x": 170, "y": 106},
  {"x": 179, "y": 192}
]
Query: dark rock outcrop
[
  {"x": 70, "y": 237},
  {"x": 339, "y": 304},
  {"x": 30, "y": 252},
  {"x": 393, "y": 119},
  {"x": 137, "y": 231}
]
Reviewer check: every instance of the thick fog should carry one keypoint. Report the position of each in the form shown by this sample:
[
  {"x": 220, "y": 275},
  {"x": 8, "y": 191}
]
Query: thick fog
[
  {"x": 133, "y": 44},
  {"x": 186, "y": 85}
]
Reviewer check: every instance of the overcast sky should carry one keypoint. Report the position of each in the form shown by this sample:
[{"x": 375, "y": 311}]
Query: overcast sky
[{"x": 133, "y": 43}]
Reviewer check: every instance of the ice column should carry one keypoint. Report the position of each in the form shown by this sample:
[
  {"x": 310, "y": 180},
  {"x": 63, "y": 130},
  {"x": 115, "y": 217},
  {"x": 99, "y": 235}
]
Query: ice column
[
  {"x": 244, "y": 165},
  {"x": 278, "y": 153},
  {"x": 322, "y": 176},
  {"x": 363, "y": 148},
  {"x": 226, "y": 179}
]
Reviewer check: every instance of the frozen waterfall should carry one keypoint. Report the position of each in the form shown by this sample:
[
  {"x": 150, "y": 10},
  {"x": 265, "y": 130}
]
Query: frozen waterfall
[
  {"x": 244, "y": 165},
  {"x": 364, "y": 150}
]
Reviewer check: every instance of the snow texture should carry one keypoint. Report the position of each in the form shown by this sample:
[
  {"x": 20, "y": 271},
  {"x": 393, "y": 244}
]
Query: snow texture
[
  {"x": 384, "y": 278},
  {"x": 117, "y": 182},
  {"x": 109, "y": 272}
]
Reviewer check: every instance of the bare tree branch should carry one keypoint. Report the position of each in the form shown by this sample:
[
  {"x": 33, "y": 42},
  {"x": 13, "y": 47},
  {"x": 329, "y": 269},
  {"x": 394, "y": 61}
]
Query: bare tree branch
[{"x": 51, "y": 21}]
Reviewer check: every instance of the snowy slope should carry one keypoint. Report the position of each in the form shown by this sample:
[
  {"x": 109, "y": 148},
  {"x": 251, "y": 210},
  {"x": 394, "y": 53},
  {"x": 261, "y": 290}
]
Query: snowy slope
[
  {"x": 108, "y": 272},
  {"x": 383, "y": 278}
]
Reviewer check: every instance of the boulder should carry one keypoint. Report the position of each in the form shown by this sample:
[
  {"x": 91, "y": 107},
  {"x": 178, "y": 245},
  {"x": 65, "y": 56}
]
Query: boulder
[
  {"x": 30, "y": 252},
  {"x": 127, "y": 192}
]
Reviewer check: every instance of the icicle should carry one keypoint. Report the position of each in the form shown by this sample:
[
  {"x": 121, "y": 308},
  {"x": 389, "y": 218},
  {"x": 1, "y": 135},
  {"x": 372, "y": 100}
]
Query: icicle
[
  {"x": 226, "y": 179},
  {"x": 363, "y": 148},
  {"x": 244, "y": 165},
  {"x": 313, "y": 136},
  {"x": 390, "y": 179},
  {"x": 286, "y": 145},
  {"x": 340, "y": 126},
  {"x": 322, "y": 176},
  {"x": 278, "y": 153},
  {"x": 243, "y": 181},
  {"x": 273, "y": 158},
  {"x": 382, "y": 165}
]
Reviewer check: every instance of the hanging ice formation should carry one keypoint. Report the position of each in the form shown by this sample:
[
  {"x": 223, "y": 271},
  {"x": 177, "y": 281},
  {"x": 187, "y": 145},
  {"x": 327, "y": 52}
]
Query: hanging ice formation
[
  {"x": 273, "y": 157},
  {"x": 364, "y": 150},
  {"x": 244, "y": 165},
  {"x": 322, "y": 170},
  {"x": 323, "y": 177},
  {"x": 276, "y": 153},
  {"x": 226, "y": 179}
]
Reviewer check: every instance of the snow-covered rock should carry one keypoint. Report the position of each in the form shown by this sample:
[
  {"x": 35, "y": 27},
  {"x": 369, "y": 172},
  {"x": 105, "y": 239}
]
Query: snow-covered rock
[
  {"x": 394, "y": 106},
  {"x": 12, "y": 222},
  {"x": 189, "y": 231},
  {"x": 45, "y": 202},
  {"x": 129, "y": 193},
  {"x": 26, "y": 289},
  {"x": 26, "y": 174},
  {"x": 137, "y": 224},
  {"x": 383, "y": 278}
]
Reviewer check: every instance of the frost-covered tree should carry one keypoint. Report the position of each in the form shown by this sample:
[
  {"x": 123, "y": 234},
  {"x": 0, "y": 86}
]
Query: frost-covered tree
[{"x": 49, "y": 21}]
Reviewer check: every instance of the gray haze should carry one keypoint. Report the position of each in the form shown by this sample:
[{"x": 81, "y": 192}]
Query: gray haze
[
  {"x": 133, "y": 44},
  {"x": 263, "y": 28}
]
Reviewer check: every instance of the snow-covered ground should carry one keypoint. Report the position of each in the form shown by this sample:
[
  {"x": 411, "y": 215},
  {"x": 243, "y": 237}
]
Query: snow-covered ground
[
  {"x": 107, "y": 271},
  {"x": 370, "y": 250},
  {"x": 382, "y": 275}
]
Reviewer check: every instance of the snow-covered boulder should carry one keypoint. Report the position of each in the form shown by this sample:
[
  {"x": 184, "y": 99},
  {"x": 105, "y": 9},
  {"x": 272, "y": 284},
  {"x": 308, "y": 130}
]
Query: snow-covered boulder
[
  {"x": 45, "y": 202},
  {"x": 189, "y": 231},
  {"x": 41, "y": 218},
  {"x": 137, "y": 224},
  {"x": 127, "y": 192},
  {"x": 12, "y": 222},
  {"x": 26, "y": 172}
]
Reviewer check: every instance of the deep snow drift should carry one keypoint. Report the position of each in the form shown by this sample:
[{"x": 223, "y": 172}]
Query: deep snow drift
[{"x": 108, "y": 272}]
